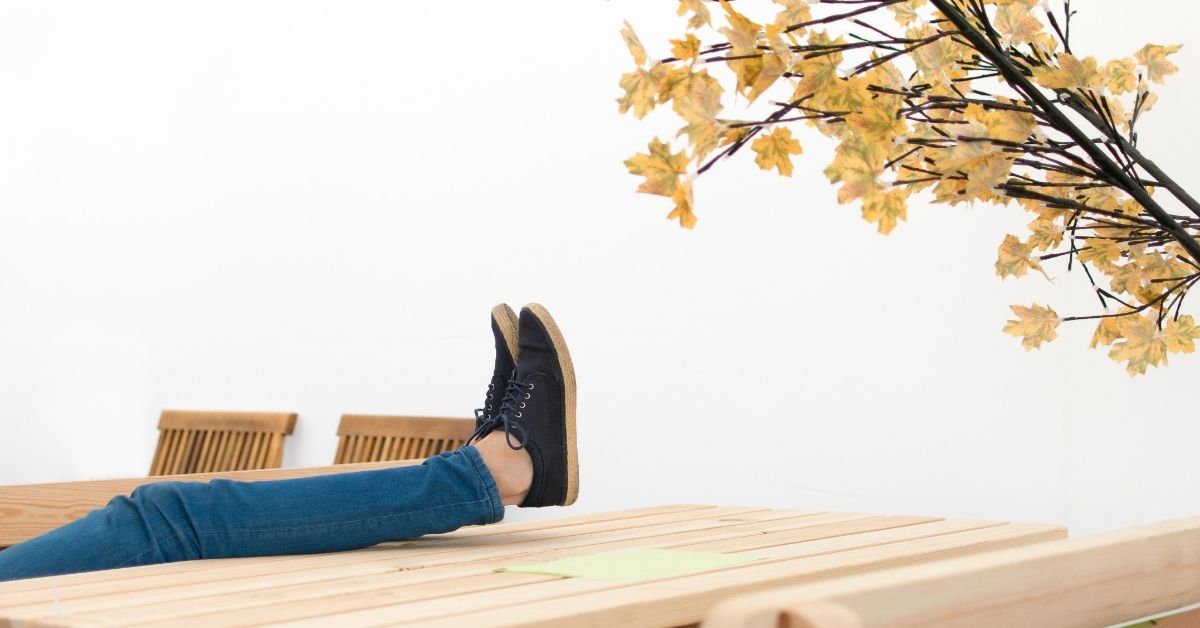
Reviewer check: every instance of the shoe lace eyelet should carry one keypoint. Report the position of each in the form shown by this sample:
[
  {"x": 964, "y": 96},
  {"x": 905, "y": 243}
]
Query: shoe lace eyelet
[
  {"x": 531, "y": 387},
  {"x": 522, "y": 404},
  {"x": 527, "y": 395},
  {"x": 518, "y": 415}
]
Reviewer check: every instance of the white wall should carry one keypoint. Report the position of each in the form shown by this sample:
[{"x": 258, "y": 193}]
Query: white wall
[{"x": 311, "y": 206}]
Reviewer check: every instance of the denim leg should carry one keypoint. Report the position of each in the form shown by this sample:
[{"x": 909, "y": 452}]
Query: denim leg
[{"x": 172, "y": 521}]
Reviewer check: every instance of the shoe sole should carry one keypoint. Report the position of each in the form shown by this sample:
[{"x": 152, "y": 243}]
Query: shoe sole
[
  {"x": 568, "y": 372},
  {"x": 506, "y": 321}
]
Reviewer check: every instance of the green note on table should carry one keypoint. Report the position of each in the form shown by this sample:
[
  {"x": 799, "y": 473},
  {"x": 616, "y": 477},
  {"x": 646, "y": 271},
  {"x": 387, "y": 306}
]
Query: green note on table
[{"x": 632, "y": 565}]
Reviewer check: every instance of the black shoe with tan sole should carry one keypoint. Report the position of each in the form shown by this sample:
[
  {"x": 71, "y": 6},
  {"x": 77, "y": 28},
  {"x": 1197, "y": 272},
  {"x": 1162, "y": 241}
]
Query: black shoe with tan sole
[{"x": 538, "y": 410}]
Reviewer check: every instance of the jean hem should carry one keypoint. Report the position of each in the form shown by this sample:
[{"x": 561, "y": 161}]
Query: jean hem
[{"x": 492, "y": 492}]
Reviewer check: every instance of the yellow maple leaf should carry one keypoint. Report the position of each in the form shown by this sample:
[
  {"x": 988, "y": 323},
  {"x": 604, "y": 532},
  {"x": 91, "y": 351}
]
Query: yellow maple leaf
[
  {"x": 773, "y": 63},
  {"x": 634, "y": 44},
  {"x": 1014, "y": 259},
  {"x": 1016, "y": 25},
  {"x": 1121, "y": 75},
  {"x": 970, "y": 148},
  {"x": 1148, "y": 99},
  {"x": 984, "y": 174},
  {"x": 775, "y": 150},
  {"x": 1034, "y": 325},
  {"x": 939, "y": 62},
  {"x": 857, "y": 164},
  {"x": 846, "y": 94},
  {"x": 698, "y": 101},
  {"x": 906, "y": 12},
  {"x": 1142, "y": 345},
  {"x": 1180, "y": 335},
  {"x": 1007, "y": 125},
  {"x": 1100, "y": 251},
  {"x": 683, "y": 205},
  {"x": 1107, "y": 332},
  {"x": 771, "y": 67},
  {"x": 793, "y": 12},
  {"x": 641, "y": 93},
  {"x": 700, "y": 15},
  {"x": 1046, "y": 234},
  {"x": 642, "y": 88},
  {"x": 662, "y": 169},
  {"x": 687, "y": 48},
  {"x": 742, "y": 34},
  {"x": 1135, "y": 278},
  {"x": 876, "y": 123},
  {"x": 1071, "y": 73},
  {"x": 886, "y": 208},
  {"x": 1154, "y": 58},
  {"x": 820, "y": 71}
]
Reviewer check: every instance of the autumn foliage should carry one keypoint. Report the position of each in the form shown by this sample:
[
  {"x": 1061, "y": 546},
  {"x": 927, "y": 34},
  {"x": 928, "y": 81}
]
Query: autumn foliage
[{"x": 968, "y": 101}]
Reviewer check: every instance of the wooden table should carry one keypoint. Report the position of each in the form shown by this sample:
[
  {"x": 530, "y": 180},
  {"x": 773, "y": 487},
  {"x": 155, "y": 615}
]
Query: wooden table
[{"x": 450, "y": 580}]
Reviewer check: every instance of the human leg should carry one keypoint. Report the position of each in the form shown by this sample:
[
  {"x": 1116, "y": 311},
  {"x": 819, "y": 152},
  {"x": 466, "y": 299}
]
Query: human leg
[
  {"x": 173, "y": 521},
  {"x": 524, "y": 455}
]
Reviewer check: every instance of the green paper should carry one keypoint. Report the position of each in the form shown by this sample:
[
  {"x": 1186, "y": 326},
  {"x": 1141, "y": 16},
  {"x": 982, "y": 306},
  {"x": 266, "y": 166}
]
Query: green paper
[{"x": 632, "y": 565}]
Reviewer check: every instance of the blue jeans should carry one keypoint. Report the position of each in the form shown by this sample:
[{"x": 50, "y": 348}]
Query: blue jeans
[{"x": 172, "y": 521}]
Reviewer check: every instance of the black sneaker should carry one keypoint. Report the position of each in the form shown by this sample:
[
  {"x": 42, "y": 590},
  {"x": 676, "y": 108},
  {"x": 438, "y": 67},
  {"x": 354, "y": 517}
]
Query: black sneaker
[
  {"x": 538, "y": 411},
  {"x": 504, "y": 329}
]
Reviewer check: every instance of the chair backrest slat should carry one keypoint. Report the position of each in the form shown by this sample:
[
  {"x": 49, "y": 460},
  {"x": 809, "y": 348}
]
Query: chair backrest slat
[
  {"x": 206, "y": 441},
  {"x": 377, "y": 438}
]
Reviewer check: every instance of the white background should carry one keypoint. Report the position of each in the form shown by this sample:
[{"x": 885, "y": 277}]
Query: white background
[{"x": 311, "y": 206}]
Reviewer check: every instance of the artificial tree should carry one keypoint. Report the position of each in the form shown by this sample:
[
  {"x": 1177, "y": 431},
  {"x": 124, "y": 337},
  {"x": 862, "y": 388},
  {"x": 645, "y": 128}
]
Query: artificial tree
[{"x": 969, "y": 100}]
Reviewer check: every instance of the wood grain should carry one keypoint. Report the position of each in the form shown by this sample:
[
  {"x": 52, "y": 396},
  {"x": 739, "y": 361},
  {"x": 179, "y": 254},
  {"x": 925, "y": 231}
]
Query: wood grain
[
  {"x": 373, "y": 438},
  {"x": 451, "y": 579},
  {"x": 202, "y": 441},
  {"x": 1090, "y": 581}
]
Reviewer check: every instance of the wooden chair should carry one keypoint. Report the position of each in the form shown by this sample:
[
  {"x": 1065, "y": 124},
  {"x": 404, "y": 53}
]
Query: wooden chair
[
  {"x": 205, "y": 442},
  {"x": 372, "y": 438},
  {"x": 1096, "y": 580}
]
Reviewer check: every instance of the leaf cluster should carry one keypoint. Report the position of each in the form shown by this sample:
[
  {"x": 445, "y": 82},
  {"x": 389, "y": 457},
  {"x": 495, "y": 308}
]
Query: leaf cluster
[{"x": 967, "y": 101}]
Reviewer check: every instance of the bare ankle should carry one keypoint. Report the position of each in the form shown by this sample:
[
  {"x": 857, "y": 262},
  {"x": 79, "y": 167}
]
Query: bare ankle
[{"x": 511, "y": 468}]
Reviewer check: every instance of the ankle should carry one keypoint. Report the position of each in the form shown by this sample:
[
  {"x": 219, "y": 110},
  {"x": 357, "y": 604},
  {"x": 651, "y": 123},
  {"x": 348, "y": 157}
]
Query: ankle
[{"x": 511, "y": 468}]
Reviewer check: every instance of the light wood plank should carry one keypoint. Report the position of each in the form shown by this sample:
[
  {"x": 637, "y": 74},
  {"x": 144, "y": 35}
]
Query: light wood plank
[
  {"x": 687, "y": 599},
  {"x": 596, "y": 595},
  {"x": 1089, "y": 581}
]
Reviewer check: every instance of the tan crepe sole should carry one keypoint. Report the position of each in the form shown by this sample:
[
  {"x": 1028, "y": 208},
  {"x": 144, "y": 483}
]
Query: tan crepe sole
[
  {"x": 506, "y": 321},
  {"x": 568, "y": 371}
]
